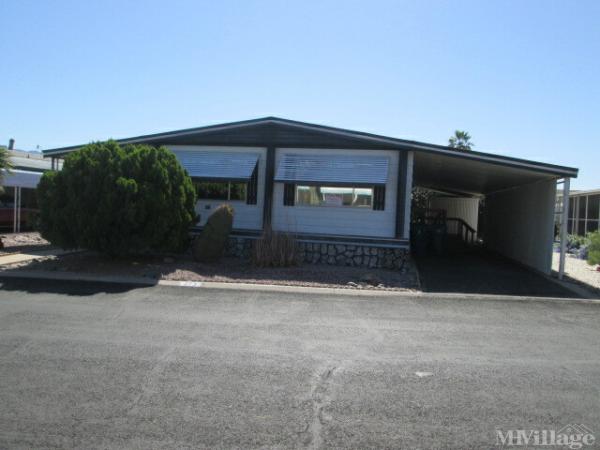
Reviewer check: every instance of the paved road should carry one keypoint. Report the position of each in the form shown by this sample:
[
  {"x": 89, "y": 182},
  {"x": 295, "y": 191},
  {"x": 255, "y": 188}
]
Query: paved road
[{"x": 168, "y": 367}]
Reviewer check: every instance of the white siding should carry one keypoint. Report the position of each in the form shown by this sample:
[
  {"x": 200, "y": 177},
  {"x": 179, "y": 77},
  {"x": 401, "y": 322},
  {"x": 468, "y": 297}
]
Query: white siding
[
  {"x": 519, "y": 223},
  {"x": 247, "y": 217},
  {"x": 338, "y": 220}
]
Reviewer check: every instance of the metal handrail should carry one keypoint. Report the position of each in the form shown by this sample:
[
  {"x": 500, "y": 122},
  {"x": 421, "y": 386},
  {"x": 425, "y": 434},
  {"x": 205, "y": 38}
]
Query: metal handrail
[{"x": 466, "y": 232}]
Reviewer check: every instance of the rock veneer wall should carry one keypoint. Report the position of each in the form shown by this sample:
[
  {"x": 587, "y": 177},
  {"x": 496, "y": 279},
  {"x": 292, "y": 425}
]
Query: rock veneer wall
[{"x": 340, "y": 254}]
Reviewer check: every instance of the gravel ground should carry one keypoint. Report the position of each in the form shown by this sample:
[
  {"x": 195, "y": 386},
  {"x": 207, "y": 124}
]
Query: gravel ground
[
  {"x": 23, "y": 242},
  {"x": 183, "y": 268},
  {"x": 579, "y": 270}
]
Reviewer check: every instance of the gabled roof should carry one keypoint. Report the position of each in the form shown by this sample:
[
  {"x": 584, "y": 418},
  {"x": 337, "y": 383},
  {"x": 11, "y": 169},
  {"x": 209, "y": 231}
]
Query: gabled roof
[{"x": 280, "y": 132}]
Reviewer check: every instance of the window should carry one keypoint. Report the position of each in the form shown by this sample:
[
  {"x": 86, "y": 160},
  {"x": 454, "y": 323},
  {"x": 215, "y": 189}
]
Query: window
[
  {"x": 593, "y": 207},
  {"x": 582, "y": 207},
  {"x": 209, "y": 190},
  {"x": 334, "y": 196}
]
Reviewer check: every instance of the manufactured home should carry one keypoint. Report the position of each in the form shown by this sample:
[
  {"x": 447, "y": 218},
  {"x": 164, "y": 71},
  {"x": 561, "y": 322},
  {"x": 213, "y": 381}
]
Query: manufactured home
[
  {"x": 346, "y": 194},
  {"x": 584, "y": 211},
  {"x": 18, "y": 196}
]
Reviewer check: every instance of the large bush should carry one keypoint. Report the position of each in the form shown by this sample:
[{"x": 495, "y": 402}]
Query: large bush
[
  {"x": 210, "y": 244},
  {"x": 594, "y": 248},
  {"x": 118, "y": 200}
]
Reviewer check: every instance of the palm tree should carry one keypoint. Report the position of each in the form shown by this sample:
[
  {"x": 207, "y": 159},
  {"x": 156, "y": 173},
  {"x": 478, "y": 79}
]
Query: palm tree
[
  {"x": 5, "y": 163},
  {"x": 461, "y": 140}
]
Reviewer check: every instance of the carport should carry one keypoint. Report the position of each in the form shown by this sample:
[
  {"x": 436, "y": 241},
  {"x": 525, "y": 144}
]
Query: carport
[{"x": 520, "y": 196}]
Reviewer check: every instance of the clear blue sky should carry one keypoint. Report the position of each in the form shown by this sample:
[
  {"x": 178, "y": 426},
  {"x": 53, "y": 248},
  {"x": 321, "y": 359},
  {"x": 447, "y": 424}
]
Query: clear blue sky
[{"x": 523, "y": 77}]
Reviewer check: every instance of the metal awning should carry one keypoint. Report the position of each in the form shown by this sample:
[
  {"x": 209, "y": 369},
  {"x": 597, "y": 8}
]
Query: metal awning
[
  {"x": 333, "y": 169},
  {"x": 466, "y": 177},
  {"x": 20, "y": 178},
  {"x": 218, "y": 165}
]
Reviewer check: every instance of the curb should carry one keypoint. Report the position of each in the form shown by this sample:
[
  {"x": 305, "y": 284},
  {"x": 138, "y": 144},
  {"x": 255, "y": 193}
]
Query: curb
[
  {"x": 575, "y": 288},
  {"x": 148, "y": 282}
]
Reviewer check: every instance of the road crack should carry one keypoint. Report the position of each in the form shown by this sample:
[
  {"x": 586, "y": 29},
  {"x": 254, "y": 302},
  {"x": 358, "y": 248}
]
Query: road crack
[{"x": 320, "y": 397}]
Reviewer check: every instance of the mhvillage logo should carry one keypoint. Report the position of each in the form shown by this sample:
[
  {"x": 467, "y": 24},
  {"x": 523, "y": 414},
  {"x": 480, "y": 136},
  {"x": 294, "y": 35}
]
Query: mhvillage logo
[{"x": 573, "y": 436}]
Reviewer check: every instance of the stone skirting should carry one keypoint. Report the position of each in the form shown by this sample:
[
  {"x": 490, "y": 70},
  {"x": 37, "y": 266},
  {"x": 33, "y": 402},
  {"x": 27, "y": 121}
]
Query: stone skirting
[{"x": 340, "y": 254}]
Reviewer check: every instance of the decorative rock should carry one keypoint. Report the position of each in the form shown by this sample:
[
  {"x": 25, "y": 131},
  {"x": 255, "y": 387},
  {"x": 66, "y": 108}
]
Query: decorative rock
[{"x": 334, "y": 254}]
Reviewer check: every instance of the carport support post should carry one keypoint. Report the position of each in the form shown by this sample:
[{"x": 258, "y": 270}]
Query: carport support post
[
  {"x": 563, "y": 227},
  {"x": 17, "y": 210}
]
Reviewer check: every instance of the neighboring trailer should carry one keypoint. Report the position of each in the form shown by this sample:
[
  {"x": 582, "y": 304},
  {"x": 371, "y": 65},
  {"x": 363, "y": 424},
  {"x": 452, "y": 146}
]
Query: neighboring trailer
[
  {"x": 584, "y": 211},
  {"x": 18, "y": 199}
]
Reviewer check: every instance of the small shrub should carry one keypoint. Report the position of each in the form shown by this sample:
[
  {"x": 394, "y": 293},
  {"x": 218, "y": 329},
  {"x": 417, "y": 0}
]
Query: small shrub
[
  {"x": 594, "y": 248},
  {"x": 575, "y": 241},
  {"x": 210, "y": 244},
  {"x": 275, "y": 249},
  {"x": 118, "y": 200}
]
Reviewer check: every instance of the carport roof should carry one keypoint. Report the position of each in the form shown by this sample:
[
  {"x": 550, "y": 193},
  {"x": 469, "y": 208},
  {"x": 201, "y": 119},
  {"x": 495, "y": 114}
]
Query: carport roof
[
  {"x": 461, "y": 176},
  {"x": 278, "y": 132}
]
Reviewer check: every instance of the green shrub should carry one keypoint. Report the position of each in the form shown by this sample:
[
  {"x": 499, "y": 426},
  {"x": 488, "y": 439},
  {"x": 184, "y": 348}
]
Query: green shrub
[
  {"x": 210, "y": 244},
  {"x": 275, "y": 249},
  {"x": 118, "y": 200},
  {"x": 576, "y": 241},
  {"x": 594, "y": 248}
]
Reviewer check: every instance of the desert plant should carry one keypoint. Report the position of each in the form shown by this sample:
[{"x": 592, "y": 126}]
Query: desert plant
[
  {"x": 594, "y": 248},
  {"x": 575, "y": 241},
  {"x": 275, "y": 249},
  {"x": 210, "y": 244},
  {"x": 118, "y": 200}
]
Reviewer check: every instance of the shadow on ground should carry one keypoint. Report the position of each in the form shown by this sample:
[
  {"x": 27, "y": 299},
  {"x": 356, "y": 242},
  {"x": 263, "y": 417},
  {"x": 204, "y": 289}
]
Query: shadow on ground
[
  {"x": 476, "y": 271},
  {"x": 75, "y": 288}
]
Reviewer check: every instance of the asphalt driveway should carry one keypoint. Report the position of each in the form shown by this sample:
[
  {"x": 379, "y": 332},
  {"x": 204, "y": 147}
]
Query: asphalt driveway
[
  {"x": 86, "y": 366},
  {"x": 479, "y": 272}
]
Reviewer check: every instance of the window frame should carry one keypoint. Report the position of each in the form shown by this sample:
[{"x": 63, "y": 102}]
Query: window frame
[
  {"x": 359, "y": 207},
  {"x": 196, "y": 181}
]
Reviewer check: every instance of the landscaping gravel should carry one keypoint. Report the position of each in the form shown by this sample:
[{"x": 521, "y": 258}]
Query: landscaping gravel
[
  {"x": 23, "y": 242},
  {"x": 183, "y": 268},
  {"x": 579, "y": 270}
]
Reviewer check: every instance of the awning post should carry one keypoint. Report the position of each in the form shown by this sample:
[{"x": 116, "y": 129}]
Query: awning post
[
  {"x": 15, "y": 189},
  {"x": 19, "y": 211},
  {"x": 563, "y": 227}
]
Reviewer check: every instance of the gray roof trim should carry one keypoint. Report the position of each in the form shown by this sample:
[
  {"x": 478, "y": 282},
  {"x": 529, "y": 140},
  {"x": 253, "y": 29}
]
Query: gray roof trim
[
  {"x": 583, "y": 193},
  {"x": 393, "y": 142}
]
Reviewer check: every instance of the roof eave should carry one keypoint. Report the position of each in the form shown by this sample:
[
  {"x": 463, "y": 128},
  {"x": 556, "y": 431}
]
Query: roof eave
[{"x": 559, "y": 171}]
